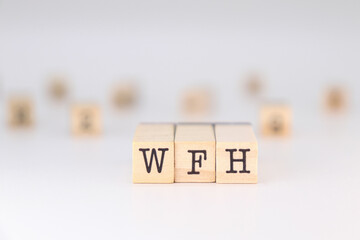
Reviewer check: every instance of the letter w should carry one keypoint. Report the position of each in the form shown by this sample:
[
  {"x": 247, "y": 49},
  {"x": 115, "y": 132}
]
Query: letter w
[{"x": 154, "y": 155}]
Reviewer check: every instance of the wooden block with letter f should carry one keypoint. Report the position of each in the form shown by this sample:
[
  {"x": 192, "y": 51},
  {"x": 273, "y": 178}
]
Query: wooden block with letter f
[
  {"x": 236, "y": 153},
  {"x": 195, "y": 153},
  {"x": 153, "y": 153}
]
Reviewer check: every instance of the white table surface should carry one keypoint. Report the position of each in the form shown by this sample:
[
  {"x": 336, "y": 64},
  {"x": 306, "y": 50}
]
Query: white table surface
[{"x": 55, "y": 186}]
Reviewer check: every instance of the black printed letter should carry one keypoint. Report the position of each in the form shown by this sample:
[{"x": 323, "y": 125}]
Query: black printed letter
[
  {"x": 232, "y": 160},
  {"x": 193, "y": 152},
  {"x": 154, "y": 155}
]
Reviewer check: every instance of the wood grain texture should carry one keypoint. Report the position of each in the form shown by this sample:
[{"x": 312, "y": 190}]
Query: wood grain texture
[
  {"x": 276, "y": 120},
  {"x": 86, "y": 120},
  {"x": 20, "y": 112},
  {"x": 153, "y": 153},
  {"x": 237, "y": 142},
  {"x": 194, "y": 153}
]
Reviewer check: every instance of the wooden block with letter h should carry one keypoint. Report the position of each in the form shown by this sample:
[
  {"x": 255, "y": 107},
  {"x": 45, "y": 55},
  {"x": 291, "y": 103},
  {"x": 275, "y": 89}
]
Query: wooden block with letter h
[
  {"x": 194, "y": 153},
  {"x": 275, "y": 120},
  {"x": 153, "y": 153},
  {"x": 236, "y": 153},
  {"x": 21, "y": 112},
  {"x": 85, "y": 119}
]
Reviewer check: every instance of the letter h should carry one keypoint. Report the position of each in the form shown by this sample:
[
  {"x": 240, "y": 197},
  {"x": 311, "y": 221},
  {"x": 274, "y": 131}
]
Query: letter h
[{"x": 232, "y": 160}]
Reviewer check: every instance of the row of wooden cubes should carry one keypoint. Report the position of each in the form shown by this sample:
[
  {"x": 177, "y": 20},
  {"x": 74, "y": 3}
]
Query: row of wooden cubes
[
  {"x": 86, "y": 120},
  {"x": 168, "y": 153}
]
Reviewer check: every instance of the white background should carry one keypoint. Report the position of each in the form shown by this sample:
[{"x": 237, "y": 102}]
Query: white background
[{"x": 55, "y": 186}]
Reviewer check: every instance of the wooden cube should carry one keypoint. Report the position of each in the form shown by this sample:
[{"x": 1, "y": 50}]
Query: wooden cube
[
  {"x": 336, "y": 99},
  {"x": 21, "y": 112},
  {"x": 197, "y": 102},
  {"x": 124, "y": 96},
  {"x": 275, "y": 120},
  {"x": 153, "y": 153},
  {"x": 236, "y": 153},
  {"x": 254, "y": 84},
  {"x": 194, "y": 153},
  {"x": 86, "y": 120},
  {"x": 57, "y": 88}
]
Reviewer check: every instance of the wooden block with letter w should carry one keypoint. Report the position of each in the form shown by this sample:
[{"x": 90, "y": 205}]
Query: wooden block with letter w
[{"x": 153, "y": 153}]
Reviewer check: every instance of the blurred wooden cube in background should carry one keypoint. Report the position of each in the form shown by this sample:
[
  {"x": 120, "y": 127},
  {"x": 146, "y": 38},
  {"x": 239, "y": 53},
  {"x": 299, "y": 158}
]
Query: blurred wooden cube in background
[
  {"x": 276, "y": 120},
  {"x": 57, "y": 88},
  {"x": 254, "y": 84},
  {"x": 197, "y": 102},
  {"x": 336, "y": 99},
  {"x": 20, "y": 112},
  {"x": 124, "y": 96},
  {"x": 86, "y": 120}
]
